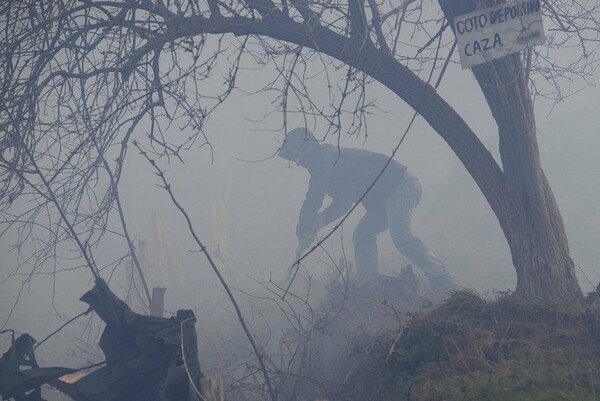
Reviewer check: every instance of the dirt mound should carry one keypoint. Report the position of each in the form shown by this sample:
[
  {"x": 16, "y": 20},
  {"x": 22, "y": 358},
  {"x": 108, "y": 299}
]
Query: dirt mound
[{"x": 403, "y": 293}]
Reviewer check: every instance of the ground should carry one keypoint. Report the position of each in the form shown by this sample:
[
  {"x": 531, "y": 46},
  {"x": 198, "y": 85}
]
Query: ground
[{"x": 472, "y": 349}]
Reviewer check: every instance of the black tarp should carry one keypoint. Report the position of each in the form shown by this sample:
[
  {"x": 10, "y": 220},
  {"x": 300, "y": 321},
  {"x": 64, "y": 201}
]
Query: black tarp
[
  {"x": 24, "y": 385},
  {"x": 147, "y": 358}
]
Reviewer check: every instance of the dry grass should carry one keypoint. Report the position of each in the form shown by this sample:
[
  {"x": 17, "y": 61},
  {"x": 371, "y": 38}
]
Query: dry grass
[{"x": 474, "y": 349}]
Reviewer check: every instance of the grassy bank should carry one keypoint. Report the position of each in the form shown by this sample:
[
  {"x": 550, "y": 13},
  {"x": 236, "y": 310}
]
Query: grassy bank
[{"x": 472, "y": 349}]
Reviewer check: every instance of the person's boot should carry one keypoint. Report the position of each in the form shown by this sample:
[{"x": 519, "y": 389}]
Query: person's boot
[
  {"x": 365, "y": 276},
  {"x": 442, "y": 285}
]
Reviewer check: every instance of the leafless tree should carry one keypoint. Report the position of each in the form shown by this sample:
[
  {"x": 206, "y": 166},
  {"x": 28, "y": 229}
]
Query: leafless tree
[{"x": 79, "y": 77}]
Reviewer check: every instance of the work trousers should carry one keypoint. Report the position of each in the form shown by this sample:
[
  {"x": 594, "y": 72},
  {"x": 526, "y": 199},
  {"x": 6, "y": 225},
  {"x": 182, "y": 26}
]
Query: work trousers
[{"x": 394, "y": 214}]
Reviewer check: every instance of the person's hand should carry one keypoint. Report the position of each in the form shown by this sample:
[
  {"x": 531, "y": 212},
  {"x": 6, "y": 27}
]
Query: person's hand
[
  {"x": 319, "y": 224},
  {"x": 303, "y": 244}
]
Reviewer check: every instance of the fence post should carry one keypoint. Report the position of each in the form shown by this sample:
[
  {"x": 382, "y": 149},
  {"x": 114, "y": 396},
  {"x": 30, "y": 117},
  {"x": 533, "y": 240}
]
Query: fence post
[{"x": 212, "y": 388}]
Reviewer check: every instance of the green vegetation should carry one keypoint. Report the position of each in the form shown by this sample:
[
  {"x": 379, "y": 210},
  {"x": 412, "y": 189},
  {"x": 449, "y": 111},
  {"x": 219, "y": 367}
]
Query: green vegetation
[{"x": 471, "y": 349}]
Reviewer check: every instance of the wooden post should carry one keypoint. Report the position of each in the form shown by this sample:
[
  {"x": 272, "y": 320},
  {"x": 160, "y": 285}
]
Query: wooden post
[
  {"x": 133, "y": 298},
  {"x": 212, "y": 388},
  {"x": 157, "y": 304}
]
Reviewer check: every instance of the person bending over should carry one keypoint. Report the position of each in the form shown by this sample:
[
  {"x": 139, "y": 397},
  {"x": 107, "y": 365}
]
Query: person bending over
[{"x": 344, "y": 175}]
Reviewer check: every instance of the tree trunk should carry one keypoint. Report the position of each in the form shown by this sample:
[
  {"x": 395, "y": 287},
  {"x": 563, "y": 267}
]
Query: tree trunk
[{"x": 533, "y": 227}]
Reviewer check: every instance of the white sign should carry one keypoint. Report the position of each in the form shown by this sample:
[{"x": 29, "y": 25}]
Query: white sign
[{"x": 495, "y": 32}]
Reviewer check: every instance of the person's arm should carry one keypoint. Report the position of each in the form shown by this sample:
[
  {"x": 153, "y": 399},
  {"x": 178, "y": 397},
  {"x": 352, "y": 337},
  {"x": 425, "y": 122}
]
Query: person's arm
[
  {"x": 334, "y": 211},
  {"x": 307, "y": 222}
]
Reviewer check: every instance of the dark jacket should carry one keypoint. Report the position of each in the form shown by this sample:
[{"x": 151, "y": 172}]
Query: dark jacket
[{"x": 344, "y": 175}]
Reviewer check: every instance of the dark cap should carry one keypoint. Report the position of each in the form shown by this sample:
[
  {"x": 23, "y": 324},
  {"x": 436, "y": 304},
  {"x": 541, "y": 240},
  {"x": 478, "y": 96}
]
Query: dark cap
[{"x": 295, "y": 142}]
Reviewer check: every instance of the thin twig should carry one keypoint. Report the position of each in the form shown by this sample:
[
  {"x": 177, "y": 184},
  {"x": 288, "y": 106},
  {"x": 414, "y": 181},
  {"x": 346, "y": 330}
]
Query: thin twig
[
  {"x": 187, "y": 371},
  {"x": 257, "y": 350},
  {"x": 61, "y": 327}
]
